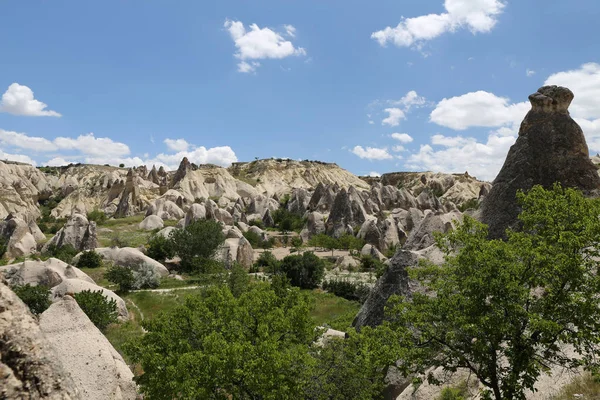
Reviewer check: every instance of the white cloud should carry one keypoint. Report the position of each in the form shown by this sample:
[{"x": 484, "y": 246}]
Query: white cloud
[
  {"x": 372, "y": 153},
  {"x": 394, "y": 116},
  {"x": 19, "y": 100},
  {"x": 529, "y": 72},
  {"x": 260, "y": 43},
  {"x": 21, "y": 140},
  {"x": 585, "y": 84},
  {"x": 478, "y": 109},
  {"x": 402, "y": 137},
  {"x": 479, "y": 16},
  {"x": 177, "y": 144},
  {"x": 16, "y": 157},
  {"x": 411, "y": 98},
  {"x": 58, "y": 162},
  {"x": 374, "y": 174},
  {"x": 93, "y": 146},
  {"x": 398, "y": 149}
]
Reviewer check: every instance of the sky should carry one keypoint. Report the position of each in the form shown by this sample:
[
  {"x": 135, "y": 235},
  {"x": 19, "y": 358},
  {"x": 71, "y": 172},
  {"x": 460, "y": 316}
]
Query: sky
[{"x": 376, "y": 87}]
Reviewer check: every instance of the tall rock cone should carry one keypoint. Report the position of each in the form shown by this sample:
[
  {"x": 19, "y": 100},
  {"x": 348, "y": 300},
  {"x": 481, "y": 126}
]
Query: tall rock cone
[{"x": 550, "y": 148}]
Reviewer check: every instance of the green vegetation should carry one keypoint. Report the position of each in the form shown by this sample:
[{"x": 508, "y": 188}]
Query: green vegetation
[
  {"x": 238, "y": 280},
  {"x": 583, "y": 387},
  {"x": 3, "y": 246},
  {"x": 160, "y": 248},
  {"x": 267, "y": 261},
  {"x": 96, "y": 216},
  {"x": 355, "y": 291},
  {"x": 304, "y": 271},
  {"x": 503, "y": 309},
  {"x": 344, "y": 242},
  {"x": 64, "y": 253},
  {"x": 37, "y": 297},
  {"x": 257, "y": 242},
  {"x": 100, "y": 310},
  {"x": 197, "y": 244},
  {"x": 121, "y": 276},
  {"x": 89, "y": 259},
  {"x": 371, "y": 264},
  {"x": 287, "y": 221},
  {"x": 471, "y": 204}
]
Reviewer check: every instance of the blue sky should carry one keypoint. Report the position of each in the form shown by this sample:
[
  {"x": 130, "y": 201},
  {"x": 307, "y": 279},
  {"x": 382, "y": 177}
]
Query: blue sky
[{"x": 151, "y": 81}]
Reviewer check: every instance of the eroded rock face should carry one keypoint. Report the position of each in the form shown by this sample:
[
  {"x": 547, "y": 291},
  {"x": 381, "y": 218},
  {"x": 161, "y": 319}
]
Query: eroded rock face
[
  {"x": 394, "y": 281},
  {"x": 152, "y": 222},
  {"x": 49, "y": 273},
  {"x": 29, "y": 367},
  {"x": 98, "y": 371},
  {"x": 71, "y": 286},
  {"x": 131, "y": 258},
  {"x": 22, "y": 237},
  {"x": 550, "y": 148},
  {"x": 77, "y": 232}
]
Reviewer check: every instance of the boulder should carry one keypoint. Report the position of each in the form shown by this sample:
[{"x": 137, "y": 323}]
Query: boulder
[
  {"x": 131, "y": 258},
  {"x": 347, "y": 210},
  {"x": 347, "y": 262},
  {"x": 21, "y": 237},
  {"x": 165, "y": 209},
  {"x": 72, "y": 286},
  {"x": 237, "y": 250},
  {"x": 49, "y": 273},
  {"x": 77, "y": 232},
  {"x": 99, "y": 372},
  {"x": 151, "y": 223},
  {"x": 195, "y": 213},
  {"x": 394, "y": 281},
  {"x": 370, "y": 250},
  {"x": 166, "y": 232},
  {"x": 267, "y": 219},
  {"x": 422, "y": 236},
  {"x": 550, "y": 148},
  {"x": 370, "y": 233},
  {"x": 315, "y": 224},
  {"x": 299, "y": 200},
  {"x": 29, "y": 367}
]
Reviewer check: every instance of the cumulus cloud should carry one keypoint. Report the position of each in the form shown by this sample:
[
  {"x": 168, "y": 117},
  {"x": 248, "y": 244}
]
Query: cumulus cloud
[
  {"x": 19, "y": 100},
  {"x": 16, "y": 157},
  {"x": 177, "y": 144},
  {"x": 374, "y": 174},
  {"x": 411, "y": 99},
  {"x": 529, "y": 72},
  {"x": 372, "y": 153},
  {"x": 479, "y": 16},
  {"x": 394, "y": 116},
  {"x": 402, "y": 137},
  {"x": 260, "y": 43},
  {"x": 57, "y": 162},
  {"x": 478, "y": 109},
  {"x": 398, "y": 149},
  {"x": 21, "y": 140}
]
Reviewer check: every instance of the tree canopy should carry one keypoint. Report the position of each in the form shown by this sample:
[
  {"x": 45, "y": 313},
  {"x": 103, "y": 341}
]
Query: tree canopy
[{"x": 505, "y": 310}]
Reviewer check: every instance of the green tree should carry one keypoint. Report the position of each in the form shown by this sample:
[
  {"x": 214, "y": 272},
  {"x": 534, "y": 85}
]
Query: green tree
[
  {"x": 96, "y": 216},
  {"x": 197, "y": 243},
  {"x": 305, "y": 271},
  {"x": 121, "y": 276},
  {"x": 505, "y": 309},
  {"x": 102, "y": 311},
  {"x": 324, "y": 241},
  {"x": 63, "y": 253},
  {"x": 89, "y": 259},
  {"x": 217, "y": 346},
  {"x": 37, "y": 297},
  {"x": 238, "y": 280},
  {"x": 268, "y": 262},
  {"x": 160, "y": 248}
]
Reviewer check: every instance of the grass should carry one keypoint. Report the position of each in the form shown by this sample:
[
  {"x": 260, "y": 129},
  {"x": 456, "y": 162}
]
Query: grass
[
  {"x": 334, "y": 311},
  {"x": 585, "y": 387},
  {"x": 126, "y": 230},
  {"x": 97, "y": 274}
]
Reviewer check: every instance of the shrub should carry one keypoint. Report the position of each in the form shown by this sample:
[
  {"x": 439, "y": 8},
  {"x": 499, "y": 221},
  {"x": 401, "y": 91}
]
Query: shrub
[
  {"x": 3, "y": 246},
  {"x": 350, "y": 242},
  {"x": 64, "y": 253},
  {"x": 449, "y": 393},
  {"x": 121, "y": 276},
  {"x": 370, "y": 263},
  {"x": 238, "y": 280},
  {"x": 257, "y": 223},
  {"x": 119, "y": 240},
  {"x": 197, "y": 243},
  {"x": 90, "y": 259},
  {"x": 37, "y": 297},
  {"x": 145, "y": 277},
  {"x": 296, "y": 242},
  {"x": 268, "y": 262},
  {"x": 254, "y": 238},
  {"x": 305, "y": 271},
  {"x": 97, "y": 216},
  {"x": 355, "y": 291},
  {"x": 121, "y": 165},
  {"x": 102, "y": 311},
  {"x": 471, "y": 204},
  {"x": 287, "y": 221},
  {"x": 160, "y": 248},
  {"x": 54, "y": 229}
]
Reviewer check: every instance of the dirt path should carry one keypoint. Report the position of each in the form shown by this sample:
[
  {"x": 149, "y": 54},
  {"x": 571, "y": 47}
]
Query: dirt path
[{"x": 166, "y": 290}]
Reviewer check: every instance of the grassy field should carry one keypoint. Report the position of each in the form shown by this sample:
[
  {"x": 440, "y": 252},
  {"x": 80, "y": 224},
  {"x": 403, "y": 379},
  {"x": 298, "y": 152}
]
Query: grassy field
[
  {"x": 126, "y": 231},
  {"x": 584, "y": 388}
]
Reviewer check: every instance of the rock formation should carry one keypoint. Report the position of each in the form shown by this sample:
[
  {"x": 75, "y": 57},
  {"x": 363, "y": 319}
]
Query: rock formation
[
  {"x": 77, "y": 232},
  {"x": 550, "y": 148},
  {"x": 21, "y": 237},
  {"x": 29, "y": 367}
]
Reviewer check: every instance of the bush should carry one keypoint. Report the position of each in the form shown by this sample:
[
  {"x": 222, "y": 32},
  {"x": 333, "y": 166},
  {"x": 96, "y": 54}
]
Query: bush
[
  {"x": 90, "y": 259},
  {"x": 121, "y": 276},
  {"x": 305, "y": 271},
  {"x": 471, "y": 204},
  {"x": 37, "y": 297},
  {"x": 145, "y": 277},
  {"x": 254, "y": 238},
  {"x": 119, "y": 240},
  {"x": 102, "y": 311},
  {"x": 350, "y": 242},
  {"x": 296, "y": 242},
  {"x": 354, "y": 291},
  {"x": 160, "y": 248},
  {"x": 96, "y": 216},
  {"x": 238, "y": 280},
  {"x": 287, "y": 221},
  {"x": 257, "y": 223},
  {"x": 197, "y": 243},
  {"x": 3, "y": 246},
  {"x": 370, "y": 263},
  {"x": 63, "y": 253},
  {"x": 449, "y": 393},
  {"x": 121, "y": 165},
  {"x": 268, "y": 262}
]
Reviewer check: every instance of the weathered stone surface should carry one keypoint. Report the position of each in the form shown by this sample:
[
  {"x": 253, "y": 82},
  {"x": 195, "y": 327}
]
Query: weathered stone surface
[
  {"x": 422, "y": 236},
  {"x": 550, "y": 148},
  {"x": 347, "y": 210},
  {"x": 49, "y": 273},
  {"x": 267, "y": 219},
  {"x": 195, "y": 213},
  {"x": 166, "y": 232},
  {"x": 151, "y": 222},
  {"x": 394, "y": 281},
  {"x": 370, "y": 233},
  {"x": 315, "y": 225},
  {"x": 130, "y": 257},
  {"x": 347, "y": 262},
  {"x": 29, "y": 367},
  {"x": 236, "y": 250},
  {"x": 77, "y": 232},
  {"x": 165, "y": 209},
  {"x": 370, "y": 250},
  {"x": 98, "y": 371},
  {"x": 20, "y": 237}
]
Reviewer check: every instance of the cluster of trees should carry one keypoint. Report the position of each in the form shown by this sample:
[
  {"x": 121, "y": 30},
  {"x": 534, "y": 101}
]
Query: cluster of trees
[
  {"x": 304, "y": 270},
  {"x": 503, "y": 310},
  {"x": 344, "y": 242}
]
